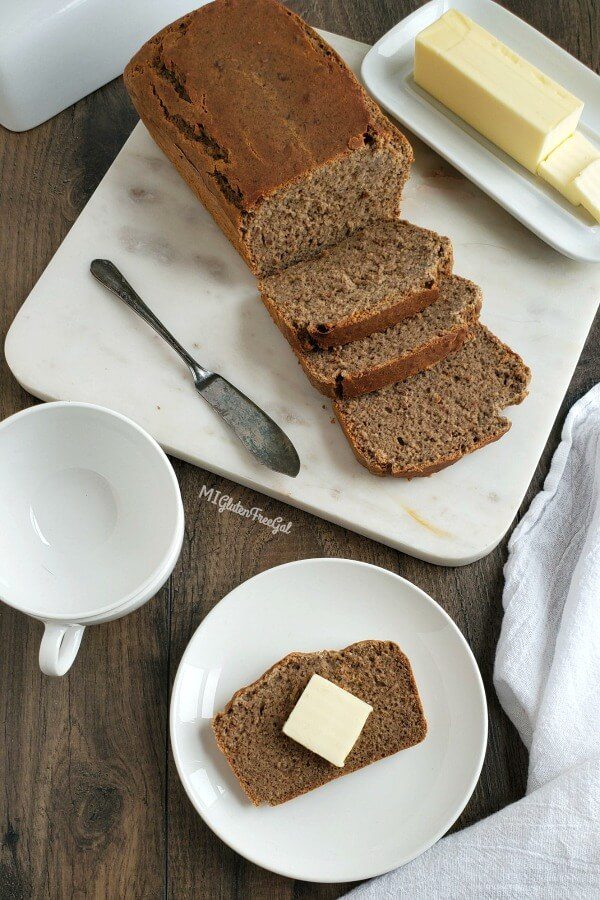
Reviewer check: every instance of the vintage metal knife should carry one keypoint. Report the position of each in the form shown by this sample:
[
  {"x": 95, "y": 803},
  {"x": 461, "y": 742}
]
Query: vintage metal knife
[{"x": 255, "y": 429}]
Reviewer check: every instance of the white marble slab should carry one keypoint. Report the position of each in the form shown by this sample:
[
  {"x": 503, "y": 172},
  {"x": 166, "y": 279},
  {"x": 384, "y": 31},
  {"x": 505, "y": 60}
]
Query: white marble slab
[{"x": 73, "y": 340}]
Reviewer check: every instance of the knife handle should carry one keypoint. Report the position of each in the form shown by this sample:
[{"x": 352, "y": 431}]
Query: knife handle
[{"x": 107, "y": 274}]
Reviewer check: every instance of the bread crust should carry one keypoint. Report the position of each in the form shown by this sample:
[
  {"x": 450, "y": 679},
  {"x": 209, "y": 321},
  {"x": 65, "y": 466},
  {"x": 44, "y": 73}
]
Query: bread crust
[
  {"x": 358, "y": 326},
  {"x": 417, "y": 471},
  {"x": 304, "y": 340},
  {"x": 354, "y": 384},
  {"x": 332, "y": 773}
]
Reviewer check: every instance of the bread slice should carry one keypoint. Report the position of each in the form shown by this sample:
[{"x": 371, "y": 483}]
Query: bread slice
[
  {"x": 411, "y": 346},
  {"x": 432, "y": 419},
  {"x": 271, "y": 767},
  {"x": 366, "y": 283}
]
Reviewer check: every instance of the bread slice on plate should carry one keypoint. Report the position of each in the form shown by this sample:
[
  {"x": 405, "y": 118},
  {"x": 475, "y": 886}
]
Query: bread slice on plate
[
  {"x": 271, "y": 767},
  {"x": 367, "y": 282},
  {"x": 411, "y": 346},
  {"x": 423, "y": 424}
]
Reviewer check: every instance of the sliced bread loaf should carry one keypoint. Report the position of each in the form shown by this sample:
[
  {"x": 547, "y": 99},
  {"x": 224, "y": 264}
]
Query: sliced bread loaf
[
  {"x": 366, "y": 283},
  {"x": 270, "y": 129},
  {"x": 411, "y": 346},
  {"x": 270, "y": 766},
  {"x": 432, "y": 419}
]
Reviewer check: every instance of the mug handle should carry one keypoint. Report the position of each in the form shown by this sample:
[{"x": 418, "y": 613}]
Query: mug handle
[{"x": 59, "y": 647}]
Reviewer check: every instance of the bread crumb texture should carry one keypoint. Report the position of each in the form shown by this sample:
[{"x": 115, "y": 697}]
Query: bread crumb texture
[
  {"x": 432, "y": 419},
  {"x": 368, "y": 281}
]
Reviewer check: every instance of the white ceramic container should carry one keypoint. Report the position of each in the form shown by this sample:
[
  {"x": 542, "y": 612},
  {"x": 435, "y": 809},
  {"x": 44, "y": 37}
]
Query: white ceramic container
[
  {"x": 91, "y": 520},
  {"x": 53, "y": 52}
]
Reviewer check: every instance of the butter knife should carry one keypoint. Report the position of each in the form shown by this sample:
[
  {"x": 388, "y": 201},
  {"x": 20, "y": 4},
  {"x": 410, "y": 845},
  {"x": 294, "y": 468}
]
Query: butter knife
[{"x": 254, "y": 428}]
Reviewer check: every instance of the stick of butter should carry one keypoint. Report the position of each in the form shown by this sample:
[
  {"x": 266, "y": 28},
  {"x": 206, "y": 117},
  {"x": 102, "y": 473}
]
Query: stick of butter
[
  {"x": 327, "y": 720},
  {"x": 588, "y": 187},
  {"x": 565, "y": 163},
  {"x": 500, "y": 94}
]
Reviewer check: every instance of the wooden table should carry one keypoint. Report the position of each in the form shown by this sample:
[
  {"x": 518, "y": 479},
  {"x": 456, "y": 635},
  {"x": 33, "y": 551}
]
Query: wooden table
[{"x": 90, "y": 804}]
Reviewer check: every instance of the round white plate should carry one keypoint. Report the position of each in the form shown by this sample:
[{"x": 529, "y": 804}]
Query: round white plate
[{"x": 370, "y": 821}]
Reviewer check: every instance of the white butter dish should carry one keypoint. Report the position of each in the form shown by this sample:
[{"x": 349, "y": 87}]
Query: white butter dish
[
  {"x": 387, "y": 71},
  {"x": 54, "y": 52}
]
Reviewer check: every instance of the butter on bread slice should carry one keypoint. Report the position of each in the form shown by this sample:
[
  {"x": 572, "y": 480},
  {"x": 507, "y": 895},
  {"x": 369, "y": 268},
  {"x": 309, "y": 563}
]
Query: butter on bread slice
[
  {"x": 327, "y": 720},
  {"x": 271, "y": 767}
]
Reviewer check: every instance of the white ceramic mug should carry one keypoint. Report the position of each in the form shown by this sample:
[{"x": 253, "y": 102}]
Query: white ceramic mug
[{"x": 91, "y": 520}]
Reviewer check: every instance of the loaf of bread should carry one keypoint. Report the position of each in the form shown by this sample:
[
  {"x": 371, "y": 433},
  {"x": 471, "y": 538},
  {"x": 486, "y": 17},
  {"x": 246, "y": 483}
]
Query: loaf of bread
[
  {"x": 271, "y": 767},
  {"x": 304, "y": 174},
  {"x": 270, "y": 128},
  {"x": 369, "y": 281},
  {"x": 411, "y": 346},
  {"x": 431, "y": 420}
]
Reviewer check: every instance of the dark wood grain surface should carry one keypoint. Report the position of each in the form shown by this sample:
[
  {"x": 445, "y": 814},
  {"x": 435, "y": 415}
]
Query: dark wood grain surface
[{"x": 90, "y": 802}]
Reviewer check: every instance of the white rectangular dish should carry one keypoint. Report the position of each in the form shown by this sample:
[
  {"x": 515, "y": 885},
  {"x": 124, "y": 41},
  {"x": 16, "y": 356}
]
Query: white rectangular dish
[
  {"x": 73, "y": 340},
  {"x": 387, "y": 71}
]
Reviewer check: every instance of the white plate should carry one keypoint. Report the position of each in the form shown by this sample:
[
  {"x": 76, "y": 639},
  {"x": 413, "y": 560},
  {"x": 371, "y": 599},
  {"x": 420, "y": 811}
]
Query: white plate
[
  {"x": 388, "y": 74},
  {"x": 370, "y": 821}
]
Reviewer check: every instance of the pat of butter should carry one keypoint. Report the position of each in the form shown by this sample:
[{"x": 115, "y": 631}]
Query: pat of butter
[
  {"x": 588, "y": 186},
  {"x": 327, "y": 720},
  {"x": 565, "y": 163},
  {"x": 494, "y": 90}
]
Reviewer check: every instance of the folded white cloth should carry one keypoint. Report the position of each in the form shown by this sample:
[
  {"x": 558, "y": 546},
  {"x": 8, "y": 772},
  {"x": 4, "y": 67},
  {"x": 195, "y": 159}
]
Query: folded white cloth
[{"x": 547, "y": 676}]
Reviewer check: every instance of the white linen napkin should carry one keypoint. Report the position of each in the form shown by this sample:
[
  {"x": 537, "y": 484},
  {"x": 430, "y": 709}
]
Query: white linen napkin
[{"x": 547, "y": 676}]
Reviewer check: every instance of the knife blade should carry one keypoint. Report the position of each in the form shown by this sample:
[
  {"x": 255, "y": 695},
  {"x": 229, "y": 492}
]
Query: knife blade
[{"x": 257, "y": 431}]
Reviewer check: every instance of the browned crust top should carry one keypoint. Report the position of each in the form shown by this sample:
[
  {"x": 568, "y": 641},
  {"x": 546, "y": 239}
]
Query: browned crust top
[{"x": 248, "y": 85}]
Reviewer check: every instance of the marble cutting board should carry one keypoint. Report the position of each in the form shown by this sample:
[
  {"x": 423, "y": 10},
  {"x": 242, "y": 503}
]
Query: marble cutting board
[{"x": 73, "y": 340}]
